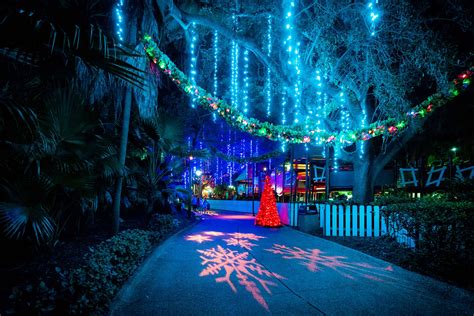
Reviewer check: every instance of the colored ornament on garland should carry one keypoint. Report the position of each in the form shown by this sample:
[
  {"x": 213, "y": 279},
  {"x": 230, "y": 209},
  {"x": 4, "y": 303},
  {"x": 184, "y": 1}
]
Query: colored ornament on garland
[
  {"x": 267, "y": 212},
  {"x": 292, "y": 134}
]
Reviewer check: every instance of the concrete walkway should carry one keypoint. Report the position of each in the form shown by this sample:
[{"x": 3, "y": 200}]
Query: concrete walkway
[{"x": 227, "y": 266}]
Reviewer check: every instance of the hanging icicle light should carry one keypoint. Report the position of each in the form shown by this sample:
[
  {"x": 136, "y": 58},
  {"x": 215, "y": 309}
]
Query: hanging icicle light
[
  {"x": 119, "y": 20},
  {"x": 293, "y": 49},
  {"x": 235, "y": 54},
  {"x": 245, "y": 92},
  {"x": 193, "y": 61},
  {"x": 283, "y": 117},
  {"x": 268, "y": 83},
  {"x": 374, "y": 15},
  {"x": 319, "y": 103},
  {"x": 216, "y": 52}
]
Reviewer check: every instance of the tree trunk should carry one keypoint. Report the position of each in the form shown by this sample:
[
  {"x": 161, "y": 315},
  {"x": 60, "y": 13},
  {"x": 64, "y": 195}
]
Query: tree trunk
[
  {"x": 365, "y": 173},
  {"x": 123, "y": 140},
  {"x": 364, "y": 181},
  {"x": 122, "y": 155}
]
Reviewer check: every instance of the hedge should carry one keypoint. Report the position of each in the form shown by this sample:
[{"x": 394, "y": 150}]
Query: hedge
[{"x": 89, "y": 288}]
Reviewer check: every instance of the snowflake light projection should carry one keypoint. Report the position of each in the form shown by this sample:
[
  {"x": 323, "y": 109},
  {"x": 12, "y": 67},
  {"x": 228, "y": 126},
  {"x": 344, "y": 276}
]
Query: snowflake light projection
[
  {"x": 198, "y": 238},
  {"x": 213, "y": 233},
  {"x": 314, "y": 260},
  {"x": 242, "y": 243},
  {"x": 246, "y": 236},
  {"x": 235, "y": 265}
]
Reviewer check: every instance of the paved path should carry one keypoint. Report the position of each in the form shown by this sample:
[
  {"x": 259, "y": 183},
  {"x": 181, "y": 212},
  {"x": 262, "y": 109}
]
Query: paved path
[{"x": 227, "y": 266}]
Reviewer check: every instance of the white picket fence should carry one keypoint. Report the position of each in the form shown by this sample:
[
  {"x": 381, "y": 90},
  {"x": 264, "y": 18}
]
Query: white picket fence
[{"x": 358, "y": 220}]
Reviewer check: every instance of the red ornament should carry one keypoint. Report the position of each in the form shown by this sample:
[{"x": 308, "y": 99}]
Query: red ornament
[
  {"x": 392, "y": 129},
  {"x": 267, "y": 213}
]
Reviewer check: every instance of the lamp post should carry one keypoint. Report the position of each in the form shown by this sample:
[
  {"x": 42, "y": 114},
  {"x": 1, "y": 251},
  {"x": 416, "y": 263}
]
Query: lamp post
[{"x": 453, "y": 150}]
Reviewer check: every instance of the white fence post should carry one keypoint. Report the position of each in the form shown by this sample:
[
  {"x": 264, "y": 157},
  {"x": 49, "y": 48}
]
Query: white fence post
[
  {"x": 362, "y": 220},
  {"x": 377, "y": 221},
  {"x": 341, "y": 220},
  {"x": 355, "y": 215},
  {"x": 369, "y": 209},
  {"x": 348, "y": 220},
  {"x": 327, "y": 226}
]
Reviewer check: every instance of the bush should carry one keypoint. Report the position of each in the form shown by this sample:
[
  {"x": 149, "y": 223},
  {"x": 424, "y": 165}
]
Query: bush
[
  {"x": 163, "y": 223},
  {"x": 393, "y": 196},
  {"x": 89, "y": 288},
  {"x": 441, "y": 229},
  {"x": 107, "y": 267}
]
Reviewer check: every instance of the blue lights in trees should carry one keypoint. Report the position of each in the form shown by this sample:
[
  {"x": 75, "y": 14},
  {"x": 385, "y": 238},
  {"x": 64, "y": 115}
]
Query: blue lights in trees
[
  {"x": 246, "y": 82},
  {"x": 374, "y": 15},
  {"x": 119, "y": 20},
  {"x": 193, "y": 60},
  {"x": 235, "y": 54},
  {"x": 268, "y": 81},
  {"x": 293, "y": 49},
  {"x": 216, "y": 52}
]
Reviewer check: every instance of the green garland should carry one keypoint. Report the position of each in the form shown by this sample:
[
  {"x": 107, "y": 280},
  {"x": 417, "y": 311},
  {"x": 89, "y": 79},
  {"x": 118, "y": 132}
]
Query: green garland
[{"x": 291, "y": 134}]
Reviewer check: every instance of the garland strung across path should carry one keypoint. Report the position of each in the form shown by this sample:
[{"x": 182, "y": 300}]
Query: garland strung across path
[{"x": 291, "y": 134}]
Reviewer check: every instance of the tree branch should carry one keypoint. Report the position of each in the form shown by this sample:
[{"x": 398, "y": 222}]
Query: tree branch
[{"x": 184, "y": 18}]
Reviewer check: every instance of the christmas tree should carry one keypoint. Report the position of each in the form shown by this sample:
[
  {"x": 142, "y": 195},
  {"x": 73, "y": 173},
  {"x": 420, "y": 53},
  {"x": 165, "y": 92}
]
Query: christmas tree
[{"x": 267, "y": 213}]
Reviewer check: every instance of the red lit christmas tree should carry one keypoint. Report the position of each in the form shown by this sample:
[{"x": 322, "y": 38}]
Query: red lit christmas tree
[{"x": 267, "y": 213}]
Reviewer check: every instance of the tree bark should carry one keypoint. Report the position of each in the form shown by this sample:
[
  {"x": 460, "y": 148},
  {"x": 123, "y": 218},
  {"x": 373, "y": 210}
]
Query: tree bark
[
  {"x": 122, "y": 156},
  {"x": 123, "y": 142},
  {"x": 367, "y": 167},
  {"x": 364, "y": 180}
]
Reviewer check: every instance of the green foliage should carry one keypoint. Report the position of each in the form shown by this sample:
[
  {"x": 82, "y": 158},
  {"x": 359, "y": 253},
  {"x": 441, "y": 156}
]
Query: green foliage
[
  {"x": 392, "y": 196},
  {"x": 33, "y": 300},
  {"x": 460, "y": 190},
  {"x": 60, "y": 165},
  {"x": 442, "y": 231},
  {"x": 88, "y": 289},
  {"x": 163, "y": 223},
  {"x": 106, "y": 268}
]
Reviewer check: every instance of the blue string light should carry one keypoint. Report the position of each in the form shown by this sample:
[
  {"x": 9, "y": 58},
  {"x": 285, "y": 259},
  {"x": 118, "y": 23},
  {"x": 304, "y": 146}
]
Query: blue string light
[
  {"x": 246, "y": 81},
  {"x": 216, "y": 52},
  {"x": 119, "y": 20},
  {"x": 268, "y": 84},
  {"x": 373, "y": 15},
  {"x": 293, "y": 49},
  {"x": 319, "y": 103},
  {"x": 283, "y": 117},
  {"x": 193, "y": 60}
]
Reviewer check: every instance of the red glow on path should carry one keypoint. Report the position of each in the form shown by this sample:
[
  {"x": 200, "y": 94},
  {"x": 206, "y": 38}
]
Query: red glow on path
[
  {"x": 235, "y": 265},
  {"x": 246, "y": 217}
]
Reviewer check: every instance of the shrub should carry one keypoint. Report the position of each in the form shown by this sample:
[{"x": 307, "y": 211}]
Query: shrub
[
  {"x": 392, "y": 196},
  {"x": 89, "y": 288},
  {"x": 107, "y": 267},
  {"x": 163, "y": 223},
  {"x": 442, "y": 231},
  {"x": 33, "y": 300}
]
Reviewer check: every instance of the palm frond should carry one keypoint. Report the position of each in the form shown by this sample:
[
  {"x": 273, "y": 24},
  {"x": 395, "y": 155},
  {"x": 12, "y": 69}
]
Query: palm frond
[{"x": 17, "y": 219}]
